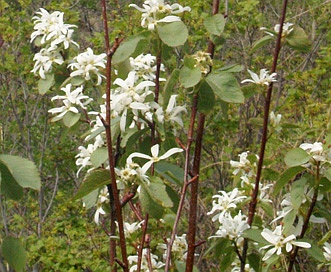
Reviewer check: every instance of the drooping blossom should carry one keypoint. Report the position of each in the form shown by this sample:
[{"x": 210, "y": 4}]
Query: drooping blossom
[
  {"x": 156, "y": 11},
  {"x": 102, "y": 199},
  {"x": 133, "y": 260},
  {"x": 277, "y": 241},
  {"x": 87, "y": 64},
  {"x": 263, "y": 79},
  {"x": 287, "y": 29},
  {"x": 225, "y": 202},
  {"x": 155, "y": 156},
  {"x": 179, "y": 247}
]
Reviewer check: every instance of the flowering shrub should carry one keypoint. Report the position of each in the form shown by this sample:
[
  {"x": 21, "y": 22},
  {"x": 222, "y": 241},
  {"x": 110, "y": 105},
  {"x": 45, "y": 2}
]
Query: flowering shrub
[{"x": 140, "y": 116}]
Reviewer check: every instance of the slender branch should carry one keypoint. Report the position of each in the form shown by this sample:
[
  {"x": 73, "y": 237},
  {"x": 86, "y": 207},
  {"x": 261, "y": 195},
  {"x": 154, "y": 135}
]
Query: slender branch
[
  {"x": 186, "y": 182},
  {"x": 196, "y": 170},
  {"x": 306, "y": 222},
  {"x": 253, "y": 203},
  {"x": 113, "y": 190},
  {"x": 142, "y": 242}
]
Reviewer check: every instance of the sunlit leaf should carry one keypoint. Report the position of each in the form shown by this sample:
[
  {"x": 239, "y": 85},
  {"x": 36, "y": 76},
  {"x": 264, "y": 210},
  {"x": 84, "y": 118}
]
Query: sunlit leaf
[
  {"x": 45, "y": 84},
  {"x": 215, "y": 24},
  {"x": 189, "y": 77},
  {"x": 226, "y": 87},
  {"x": 298, "y": 39},
  {"x": 99, "y": 156},
  {"x": 286, "y": 177},
  {"x": 70, "y": 118},
  {"x": 296, "y": 156},
  {"x": 173, "y": 34}
]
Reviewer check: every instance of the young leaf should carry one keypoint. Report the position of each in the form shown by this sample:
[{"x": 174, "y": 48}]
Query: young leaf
[
  {"x": 226, "y": 87},
  {"x": 286, "y": 177},
  {"x": 93, "y": 180},
  {"x": 14, "y": 253},
  {"x": 23, "y": 171},
  {"x": 45, "y": 84},
  {"x": 90, "y": 199},
  {"x": 157, "y": 191},
  {"x": 206, "y": 100},
  {"x": 261, "y": 42},
  {"x": 298, "y": 39},
  {"x": 149, "y": 205},
  {"x": 189, "y": 77},
  {"x": 296, "y": 156},
  {"x": 298, "y": 193},
  {"x": 173, "y": 34},
  {"x": 170, "y": 85},
  {"x": 215, "y": 24},
  {"x": 70, "y": 118},
  {"x": 127, "y": 48},
  {"x": 99, "y": 156}
]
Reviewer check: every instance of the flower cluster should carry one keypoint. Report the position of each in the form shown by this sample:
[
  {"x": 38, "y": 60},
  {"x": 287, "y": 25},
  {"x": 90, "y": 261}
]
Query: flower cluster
[
  {"x": 203, "y": 61},
  {"x": 52, "y": 33},
  {"x": 318, "y": 153},
  {"x": 156, "y": 11},
  {"x": 88, "y": 63},
  {"x": 70, "y": 99}
]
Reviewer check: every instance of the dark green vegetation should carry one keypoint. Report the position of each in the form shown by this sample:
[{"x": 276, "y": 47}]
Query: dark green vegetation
[{"x": 59, "y": 234}]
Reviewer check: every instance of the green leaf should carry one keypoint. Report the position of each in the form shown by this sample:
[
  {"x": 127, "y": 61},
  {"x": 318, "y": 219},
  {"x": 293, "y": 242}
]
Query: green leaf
[
  {"x": 298, "y": 193},
  {"x": 45, "y": 84},
  {"x": 9, "y": 187},
  {"x": 286, "y": 177},
  {"x": 77, "y": 80},
  {"x": 288, "y": 220},
  {"x": 173, "y": 34},
  {"x": 90, "y": 199},
  {"x": 157, "y": 191},
  {"x": 315, "y": 251},
  {"x": 267, "y": 207},
  {"x": 99, "y": 156},
  {"x": 92, "y": 181},
  {"x": 14, "y": 253},
  {"x": 325, "y": 238},
  {"x": 215, "y": 24},
  {"x": 206, "y": 101},
  {"x": 296, "y": 156},
  {"x": 189, "y": 77},
  {"x": 70, "y": 118},
  {"x": 148, "y": 205},
  {"x": 327, "y": 174},
  {"x": 255, "y": 235},
  {"x": 170, "y": 172},
  {"x": 226, "y": 87},
  {"x": 233, "y": 68},
  {"x": 227, "y": 259},
  {"x": 254, "y": 261},
  {"x": 170, "y": 85},
  {"x": 261, "y": 42},
  {"x": 127, "y": 48},
  {"x": 298, "y": 39},
  {"x": 23, "y": 171}
]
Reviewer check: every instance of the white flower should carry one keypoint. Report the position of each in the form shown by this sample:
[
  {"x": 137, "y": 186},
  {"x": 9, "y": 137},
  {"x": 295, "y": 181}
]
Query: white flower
[
  {"x": 145, "y": 67},
  {"x": 287, "y": 29},
  {"x": 315, "y": 149},
  {"x": 277, "y": 241},
  {"x": 263, "y": 79},
  {"x": 52, "y": 28},
  {"x": 327, "y": 251},
  {"x": 244, "y": 166},
  {"x": 172, "y": 113},
  {"x": 232, "y": 228},
  {"x": 153, "y": 12},
  {"x": 275, "y": 120},
  {"x": 179, "y": 247},
  {"x": 69, "y": 100},
  {"x": 87, "y": 63},
  {"x": 225, "y": 201},
  {"x": 44, "y": 61},
  {"x": 144, "y": 262},
  {"x": 155, "y": 156},
  {"x": 131, "y": 228},
  {"x": 102, "y": 198}
]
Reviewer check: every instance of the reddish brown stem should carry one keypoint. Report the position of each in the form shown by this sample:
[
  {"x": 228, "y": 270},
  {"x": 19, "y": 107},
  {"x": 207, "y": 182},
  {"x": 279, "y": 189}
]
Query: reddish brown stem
[
  {"x": 253, "y": 203},
  {"x": 113, "y": 190}
]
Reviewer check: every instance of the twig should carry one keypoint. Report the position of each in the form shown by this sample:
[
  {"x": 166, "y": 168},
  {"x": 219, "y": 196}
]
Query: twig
[{"x": 253, "y": 203}]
